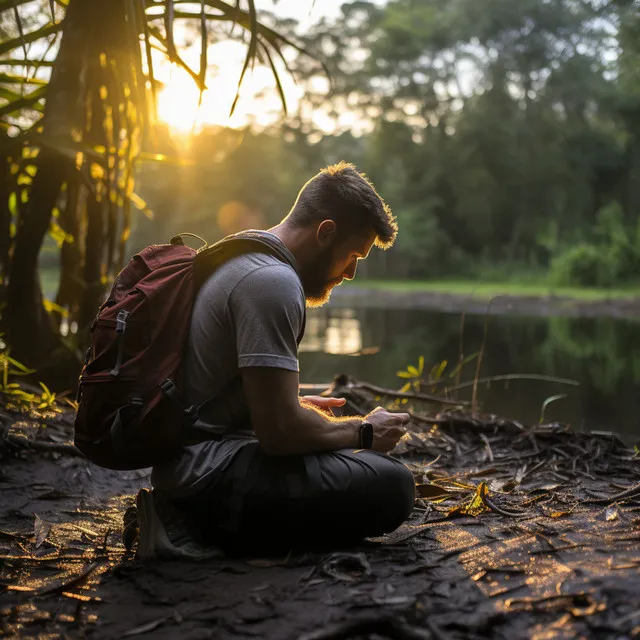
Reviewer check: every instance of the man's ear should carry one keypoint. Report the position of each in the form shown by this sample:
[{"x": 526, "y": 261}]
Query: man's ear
[{"x": 326, "y": 233}]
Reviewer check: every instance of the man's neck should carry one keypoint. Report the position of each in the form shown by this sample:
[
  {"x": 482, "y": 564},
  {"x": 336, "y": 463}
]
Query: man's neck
[{"x": 295, "y": 240}]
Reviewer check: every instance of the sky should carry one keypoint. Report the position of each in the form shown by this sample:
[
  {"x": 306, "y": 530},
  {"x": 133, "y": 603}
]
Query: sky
[{"x": 259, "y": 101}]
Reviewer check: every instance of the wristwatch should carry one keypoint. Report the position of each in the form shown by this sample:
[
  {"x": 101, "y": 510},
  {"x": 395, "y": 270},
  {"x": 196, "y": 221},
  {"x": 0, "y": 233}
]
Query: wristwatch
[{"x": 366, "y": 435}]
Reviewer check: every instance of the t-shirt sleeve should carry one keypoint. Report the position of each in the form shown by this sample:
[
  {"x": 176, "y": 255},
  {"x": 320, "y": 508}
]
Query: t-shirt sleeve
[{"x": 267, "y": 311}]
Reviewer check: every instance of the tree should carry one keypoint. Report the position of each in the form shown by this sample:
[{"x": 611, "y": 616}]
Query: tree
[{"x": 71, "y": 147}]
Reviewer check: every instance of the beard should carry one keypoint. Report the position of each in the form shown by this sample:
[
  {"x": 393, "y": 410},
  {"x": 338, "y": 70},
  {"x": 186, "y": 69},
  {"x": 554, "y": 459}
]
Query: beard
[{"x": 316, "y": 279}]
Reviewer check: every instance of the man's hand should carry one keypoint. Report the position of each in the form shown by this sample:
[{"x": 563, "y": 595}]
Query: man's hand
[
  {"x": 324, "y": 404},
  {"x": 388, "y": 428}
]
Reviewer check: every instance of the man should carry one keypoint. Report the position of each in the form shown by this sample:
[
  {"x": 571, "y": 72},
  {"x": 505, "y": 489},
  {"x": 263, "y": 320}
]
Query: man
[{"x": 301, "y": 476}]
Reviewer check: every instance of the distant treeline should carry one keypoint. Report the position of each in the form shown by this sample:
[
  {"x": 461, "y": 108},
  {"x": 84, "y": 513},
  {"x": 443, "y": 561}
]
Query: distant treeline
[{"x": 504, "y": 135}]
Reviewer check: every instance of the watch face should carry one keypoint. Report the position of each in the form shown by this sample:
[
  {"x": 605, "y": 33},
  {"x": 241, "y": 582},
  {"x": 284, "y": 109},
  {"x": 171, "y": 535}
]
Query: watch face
[{"x": 366, "y": 435}]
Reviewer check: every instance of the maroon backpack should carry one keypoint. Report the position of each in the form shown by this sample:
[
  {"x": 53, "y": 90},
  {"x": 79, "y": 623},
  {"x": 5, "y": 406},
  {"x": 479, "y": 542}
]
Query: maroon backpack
[{"x": 130, "y": 411}]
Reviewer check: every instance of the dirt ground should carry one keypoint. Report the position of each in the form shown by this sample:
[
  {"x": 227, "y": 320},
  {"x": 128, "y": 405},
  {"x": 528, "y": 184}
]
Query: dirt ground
[{"x": 519, "y": 533}]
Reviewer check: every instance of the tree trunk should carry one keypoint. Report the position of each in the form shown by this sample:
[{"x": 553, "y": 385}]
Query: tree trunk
[{"x": 99, "y": 50}]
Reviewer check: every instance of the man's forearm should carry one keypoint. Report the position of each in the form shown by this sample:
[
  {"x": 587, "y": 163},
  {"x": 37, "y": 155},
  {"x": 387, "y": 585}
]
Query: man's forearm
[{"x": 309, "y": 430}]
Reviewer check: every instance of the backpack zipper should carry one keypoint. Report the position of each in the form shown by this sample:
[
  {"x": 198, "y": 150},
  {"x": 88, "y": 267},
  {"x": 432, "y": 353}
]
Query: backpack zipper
[{"x": 121, "y": 326}]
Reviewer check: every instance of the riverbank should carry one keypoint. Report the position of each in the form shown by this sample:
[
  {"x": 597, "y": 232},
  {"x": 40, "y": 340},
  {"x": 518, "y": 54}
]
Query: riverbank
[
  {"x": 518, "y": 532},
  {"x": 482, "y": 298}
]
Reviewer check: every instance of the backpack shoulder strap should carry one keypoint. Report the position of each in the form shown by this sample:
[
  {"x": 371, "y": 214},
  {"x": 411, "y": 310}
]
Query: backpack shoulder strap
[{"x": 210, "y": 257}]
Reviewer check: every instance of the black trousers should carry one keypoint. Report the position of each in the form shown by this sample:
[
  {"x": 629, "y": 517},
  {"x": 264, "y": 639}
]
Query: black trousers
[{"x": 270, "y": 503}]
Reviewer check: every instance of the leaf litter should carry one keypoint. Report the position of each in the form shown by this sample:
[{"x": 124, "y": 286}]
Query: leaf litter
[{"x": 518, "y": 528}]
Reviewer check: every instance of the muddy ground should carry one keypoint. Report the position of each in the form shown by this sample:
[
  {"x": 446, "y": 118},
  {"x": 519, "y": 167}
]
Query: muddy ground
[{"x": 519, "y": 533}]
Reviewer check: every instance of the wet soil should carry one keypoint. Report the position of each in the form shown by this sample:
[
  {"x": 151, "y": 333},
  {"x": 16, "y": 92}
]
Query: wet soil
[{"x": 520, "y": 532}]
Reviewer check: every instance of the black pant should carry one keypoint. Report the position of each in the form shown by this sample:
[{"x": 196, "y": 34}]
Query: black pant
[{"x": 261, "y": 502}]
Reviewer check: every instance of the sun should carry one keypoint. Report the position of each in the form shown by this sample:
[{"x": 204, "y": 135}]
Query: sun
[{"x": 180, "y": 106}]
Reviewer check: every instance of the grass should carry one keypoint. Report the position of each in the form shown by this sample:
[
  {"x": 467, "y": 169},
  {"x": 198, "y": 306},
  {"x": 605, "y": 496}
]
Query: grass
[{"x": 491, "y": 289}]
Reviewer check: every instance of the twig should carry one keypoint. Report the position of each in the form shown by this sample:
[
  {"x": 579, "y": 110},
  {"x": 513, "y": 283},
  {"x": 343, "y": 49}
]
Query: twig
[
  {"x": 36, "y": 445},
  {"x": 513, "y": 376},
  {"x": 474, "y": 395},
  {"x": 461, "y": 349},
  {"x": 408, "y": 396}
]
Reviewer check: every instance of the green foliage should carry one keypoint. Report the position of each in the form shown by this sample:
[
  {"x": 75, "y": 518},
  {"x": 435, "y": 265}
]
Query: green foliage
[
  {"x": 13, "y": 395},
  {"x": 611, "y": 255}
]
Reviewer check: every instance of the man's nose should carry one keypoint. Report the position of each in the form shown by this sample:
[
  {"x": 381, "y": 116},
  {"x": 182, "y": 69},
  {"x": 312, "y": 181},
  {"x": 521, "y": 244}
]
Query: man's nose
[{"x": 350, "y": 272}]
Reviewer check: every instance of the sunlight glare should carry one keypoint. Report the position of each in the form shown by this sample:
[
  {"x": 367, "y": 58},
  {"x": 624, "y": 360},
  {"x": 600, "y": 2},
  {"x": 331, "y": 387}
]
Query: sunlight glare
[{"x": 179, "y": 96}]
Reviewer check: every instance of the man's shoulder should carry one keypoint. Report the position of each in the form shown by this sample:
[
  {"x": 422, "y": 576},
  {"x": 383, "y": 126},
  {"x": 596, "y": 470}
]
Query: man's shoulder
[{"x": 254, "y": 271}]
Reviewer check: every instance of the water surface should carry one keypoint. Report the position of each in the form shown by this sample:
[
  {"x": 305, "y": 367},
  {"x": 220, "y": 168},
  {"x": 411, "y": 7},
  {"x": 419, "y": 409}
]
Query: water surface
[{"x": 601, "y": 354}]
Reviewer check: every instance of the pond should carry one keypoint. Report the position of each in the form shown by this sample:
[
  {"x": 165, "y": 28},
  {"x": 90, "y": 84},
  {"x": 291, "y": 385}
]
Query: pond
[{"x": 372, "y": 344}]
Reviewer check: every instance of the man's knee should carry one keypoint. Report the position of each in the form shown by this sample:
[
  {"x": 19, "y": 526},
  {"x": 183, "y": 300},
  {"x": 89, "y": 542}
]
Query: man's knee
[{"x": 401, "y": 487}]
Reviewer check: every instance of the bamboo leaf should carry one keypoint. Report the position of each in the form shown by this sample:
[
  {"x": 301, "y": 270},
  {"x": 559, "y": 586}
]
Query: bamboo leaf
[
  {"x": 420, "y": 365},
  {"x": 404, "y": 374},
  {"x": 413, "y": 371}
]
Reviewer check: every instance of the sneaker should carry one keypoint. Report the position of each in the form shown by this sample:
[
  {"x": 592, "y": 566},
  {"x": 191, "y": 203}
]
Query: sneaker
[{"x": 173, "y": 541}]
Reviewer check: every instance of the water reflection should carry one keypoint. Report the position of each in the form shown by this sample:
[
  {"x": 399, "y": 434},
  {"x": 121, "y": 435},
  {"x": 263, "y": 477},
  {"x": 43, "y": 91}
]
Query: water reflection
[
  {"x": 597, "y": 352},
  {"x": 336, "y": 332}
]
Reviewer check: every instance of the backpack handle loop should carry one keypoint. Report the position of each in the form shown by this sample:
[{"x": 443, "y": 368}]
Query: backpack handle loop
[{"x": 177, "y": 239}]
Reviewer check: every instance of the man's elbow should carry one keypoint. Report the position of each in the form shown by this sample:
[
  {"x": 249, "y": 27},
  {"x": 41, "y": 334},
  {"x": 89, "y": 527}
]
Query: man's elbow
[{"x": 276, "y": 440}]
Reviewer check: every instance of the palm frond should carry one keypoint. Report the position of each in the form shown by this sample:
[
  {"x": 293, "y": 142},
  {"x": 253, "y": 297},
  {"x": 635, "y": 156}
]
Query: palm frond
[
  {"x": 168, "y": 29},
  {"x": 21, "y": 103},
  {"x": 16, "y": 15},
  {"x": 30, "y": 37},
  {"x": 251, "y": 52},
  {"x": 10, "y": 78},
  {"x": 6, "y": 5},
  {"x": 204, "y": 43},
  {"x": 276, "y": 76},
  {"x": 178, "y": 60},
  {"x": 19, "y": 62}
]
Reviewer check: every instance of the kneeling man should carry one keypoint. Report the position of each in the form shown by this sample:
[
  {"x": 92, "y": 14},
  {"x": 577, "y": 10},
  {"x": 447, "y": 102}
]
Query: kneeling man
[{"x": 287, "y": 473}]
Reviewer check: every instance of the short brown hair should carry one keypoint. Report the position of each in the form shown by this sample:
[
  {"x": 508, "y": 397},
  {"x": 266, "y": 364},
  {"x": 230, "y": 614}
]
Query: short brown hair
[{"x": 343, "y": 194}]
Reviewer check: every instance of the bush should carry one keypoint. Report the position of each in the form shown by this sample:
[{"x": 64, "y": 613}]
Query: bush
[
  {"x": 583, "y": 265},
  {"x": 610, "y": 258}
]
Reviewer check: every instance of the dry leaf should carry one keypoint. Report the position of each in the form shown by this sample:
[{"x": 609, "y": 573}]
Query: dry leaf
[
  {"x": 40, "y": 530},
  {"x": 431, "y": 492},
  {"x": 611, "y": 512}
]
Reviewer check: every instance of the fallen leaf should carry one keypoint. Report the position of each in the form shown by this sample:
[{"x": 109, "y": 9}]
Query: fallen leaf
[
  {"x": 431, "y": 492},
  {"x": 145, "y": 628},
  {"x": 611, "y": 512},
  {"x": 476, "y": 505},
  {"x": 40, "y": 530}
]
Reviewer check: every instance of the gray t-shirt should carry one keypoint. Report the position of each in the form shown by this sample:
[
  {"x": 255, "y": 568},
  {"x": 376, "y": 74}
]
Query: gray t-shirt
[{"x": 249, "y": 313}]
